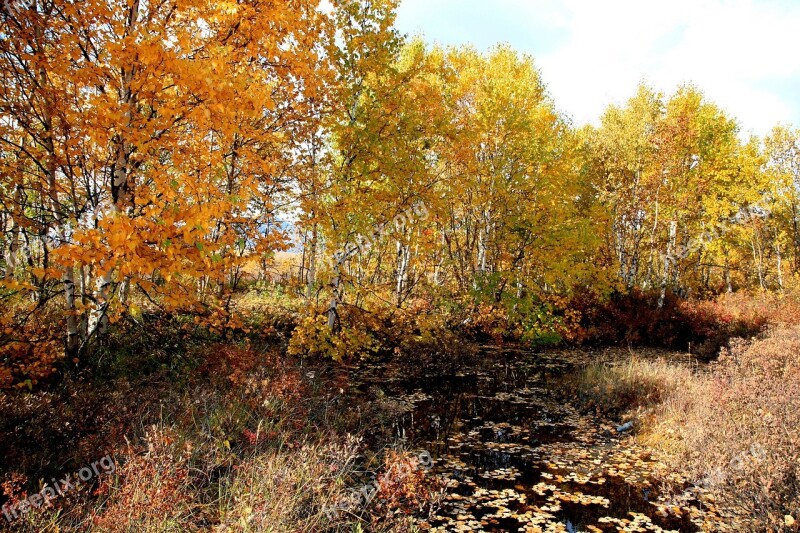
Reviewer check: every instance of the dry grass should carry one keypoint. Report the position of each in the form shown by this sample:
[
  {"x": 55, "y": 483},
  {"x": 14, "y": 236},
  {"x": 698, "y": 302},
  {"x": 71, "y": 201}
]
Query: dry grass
[
  {"x": 182, "y": 484},
  {"x": 737, "y": 428},
  {"x": 733, "y": 426},
  {"x": 627, "y": 387}
]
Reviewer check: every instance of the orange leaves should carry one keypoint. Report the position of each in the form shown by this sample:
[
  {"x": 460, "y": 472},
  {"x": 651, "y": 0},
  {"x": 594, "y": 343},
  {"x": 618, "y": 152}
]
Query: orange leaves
[
  {"x": 152, "y": 141},
  {"x": 28, "y": 352}
]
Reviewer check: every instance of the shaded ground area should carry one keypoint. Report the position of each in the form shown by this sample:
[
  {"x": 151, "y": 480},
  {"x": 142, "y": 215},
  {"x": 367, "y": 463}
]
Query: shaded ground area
[{"x": 516, "y": 455}]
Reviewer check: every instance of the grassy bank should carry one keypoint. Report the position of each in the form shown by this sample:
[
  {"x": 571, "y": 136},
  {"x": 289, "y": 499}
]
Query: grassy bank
[{"x": 733, "y": 425}]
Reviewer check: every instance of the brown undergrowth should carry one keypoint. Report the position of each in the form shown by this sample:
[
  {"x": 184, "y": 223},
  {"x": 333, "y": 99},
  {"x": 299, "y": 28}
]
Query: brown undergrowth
[{"x": 241, "y": 439}]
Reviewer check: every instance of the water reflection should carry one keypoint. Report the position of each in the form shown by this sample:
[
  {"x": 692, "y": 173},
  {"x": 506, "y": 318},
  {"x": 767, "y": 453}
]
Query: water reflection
[{"x": 516, "y": 456}]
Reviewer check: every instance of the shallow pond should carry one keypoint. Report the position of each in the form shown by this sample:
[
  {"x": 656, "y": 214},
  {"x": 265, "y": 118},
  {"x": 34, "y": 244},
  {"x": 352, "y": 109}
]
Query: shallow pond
[{"x": 516, "y": 455}]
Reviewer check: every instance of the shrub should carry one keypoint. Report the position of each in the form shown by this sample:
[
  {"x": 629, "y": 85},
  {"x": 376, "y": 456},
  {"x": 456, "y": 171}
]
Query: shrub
[
  {"x": 313, "y": 338},
  {"x": 31, "y": 343}
]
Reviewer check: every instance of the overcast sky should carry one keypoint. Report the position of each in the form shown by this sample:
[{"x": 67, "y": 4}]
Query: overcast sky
[{"x": 745, "y": 55}]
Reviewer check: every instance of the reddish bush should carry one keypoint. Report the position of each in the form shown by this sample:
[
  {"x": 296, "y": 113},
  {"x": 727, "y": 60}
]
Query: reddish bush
[
  {"x": 635, "y": 318},
  {"x": 404, "y": 487},
  {"x": 153, "y": 488}
]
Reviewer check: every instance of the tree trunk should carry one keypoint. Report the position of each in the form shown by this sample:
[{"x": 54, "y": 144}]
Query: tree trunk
[
  {"x": 13, "y": 244},
  {"x": 728, "y": 285},
  {"x": 757, "y": 260},
  {"x": 403, "y": 255},
  {"x": 673, "y": 228},
  {"x": 120, "y": 188},
  {"x": 334, "y": 299},
  {"x": 312, "y": 261},
  {"x": 68, "y": 276}
]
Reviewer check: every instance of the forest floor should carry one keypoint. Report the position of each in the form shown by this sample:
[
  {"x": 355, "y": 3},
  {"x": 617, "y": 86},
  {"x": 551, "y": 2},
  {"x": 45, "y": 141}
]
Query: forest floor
[{"x": 237, "y": 437}]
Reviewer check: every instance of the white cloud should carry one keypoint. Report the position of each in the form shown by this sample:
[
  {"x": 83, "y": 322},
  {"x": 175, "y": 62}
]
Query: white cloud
[{"x": 743, "y": 54}]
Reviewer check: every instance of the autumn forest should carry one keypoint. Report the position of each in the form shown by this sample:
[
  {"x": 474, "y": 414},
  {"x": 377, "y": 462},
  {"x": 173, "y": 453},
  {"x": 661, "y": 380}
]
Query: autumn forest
[{"x": 231, "y": 230}]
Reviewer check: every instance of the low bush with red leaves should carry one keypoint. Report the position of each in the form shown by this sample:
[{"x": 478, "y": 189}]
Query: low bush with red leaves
[
  {"x": 243, "y": 438},
  {"x": 702, "y": 327}
]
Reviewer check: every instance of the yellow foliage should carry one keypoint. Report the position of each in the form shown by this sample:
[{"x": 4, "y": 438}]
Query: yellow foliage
[{"x": 313, "y": 338}]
